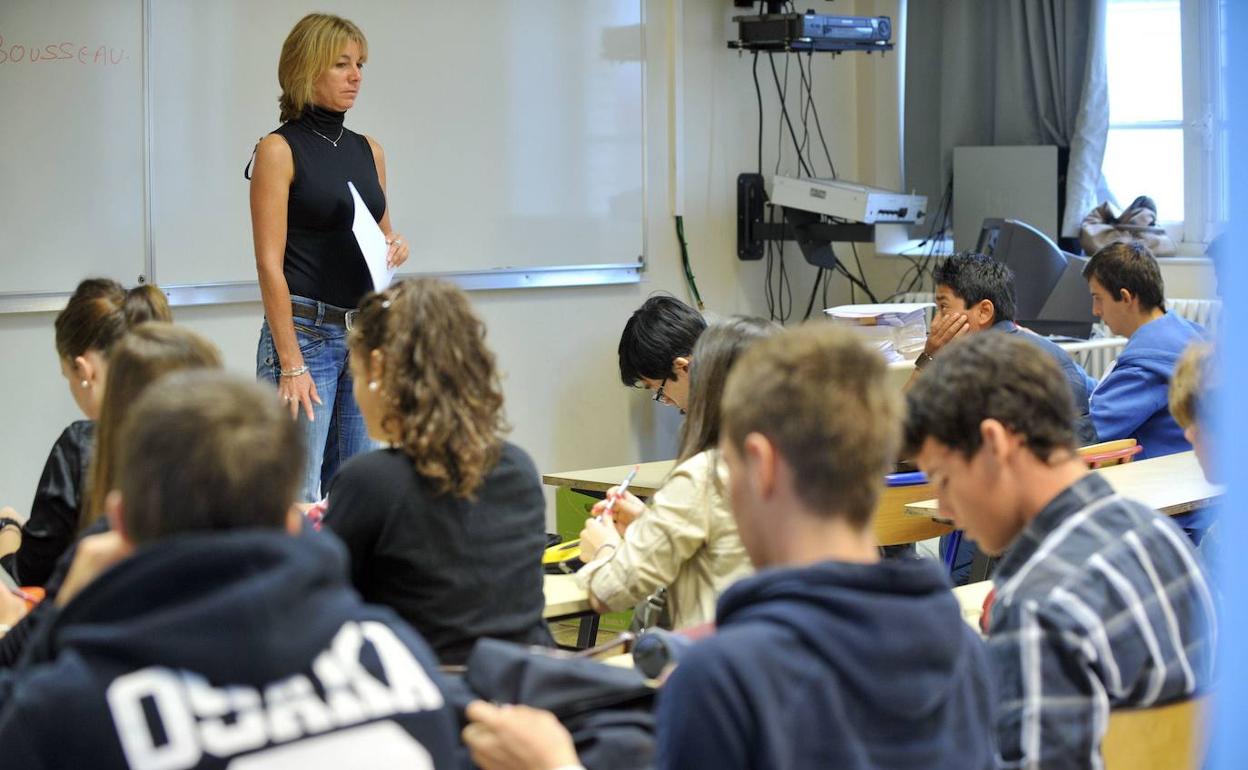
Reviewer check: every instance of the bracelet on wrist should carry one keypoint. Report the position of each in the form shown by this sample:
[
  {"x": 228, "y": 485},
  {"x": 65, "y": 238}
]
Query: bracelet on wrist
[
  {"x": 9, "y": 521},
  {"x": 598, "y": 553},
  {"x": 298, "y": 370}
]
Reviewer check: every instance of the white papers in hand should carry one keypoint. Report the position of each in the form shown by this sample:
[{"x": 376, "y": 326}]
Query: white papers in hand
[{"x": 372, "y": 242}]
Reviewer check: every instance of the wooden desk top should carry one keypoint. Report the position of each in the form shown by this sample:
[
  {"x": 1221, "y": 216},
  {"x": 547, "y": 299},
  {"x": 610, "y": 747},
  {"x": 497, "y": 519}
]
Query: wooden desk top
[
  {"x": 1172, "y": 484},
  {"x": 649, "y": 478},
  {"x": 564, "y": 597}
]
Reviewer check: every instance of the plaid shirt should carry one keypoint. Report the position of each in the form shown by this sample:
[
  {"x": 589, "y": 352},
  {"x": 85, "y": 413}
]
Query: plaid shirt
[{"x": 1100, "y": 603}]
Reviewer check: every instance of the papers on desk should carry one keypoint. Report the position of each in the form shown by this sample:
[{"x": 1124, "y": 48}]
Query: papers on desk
[
  {"x": 372, "y": 242},
  {"x": 897, "y": 330}
]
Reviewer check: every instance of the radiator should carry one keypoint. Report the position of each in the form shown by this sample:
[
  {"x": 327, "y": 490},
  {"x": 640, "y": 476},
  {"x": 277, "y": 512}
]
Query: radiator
[{"x": 1096, "y": 359}]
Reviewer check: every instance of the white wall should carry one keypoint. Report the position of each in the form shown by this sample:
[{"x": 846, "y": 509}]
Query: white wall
[{"x": 557, "y": 346}]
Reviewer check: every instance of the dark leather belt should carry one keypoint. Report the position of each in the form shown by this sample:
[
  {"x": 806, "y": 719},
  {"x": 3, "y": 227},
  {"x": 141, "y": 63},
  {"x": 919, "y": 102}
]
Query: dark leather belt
[{"x": 332, "y": 315}]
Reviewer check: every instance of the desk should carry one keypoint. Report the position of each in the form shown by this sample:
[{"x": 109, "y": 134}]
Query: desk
[
  {"x": 649, "y": 478},
  {"x": 1172, "y": 484},
  {"x": 565, "y": 599},
  {"x": 891, "y": 526}
]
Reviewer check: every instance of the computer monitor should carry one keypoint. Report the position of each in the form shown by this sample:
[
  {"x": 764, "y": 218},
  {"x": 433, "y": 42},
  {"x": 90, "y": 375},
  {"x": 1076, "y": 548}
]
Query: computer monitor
[{"x": 1049, "y": 286}]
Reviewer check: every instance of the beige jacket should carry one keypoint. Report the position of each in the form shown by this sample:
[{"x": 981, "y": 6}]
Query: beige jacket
[{"x": 685, "y": 539}]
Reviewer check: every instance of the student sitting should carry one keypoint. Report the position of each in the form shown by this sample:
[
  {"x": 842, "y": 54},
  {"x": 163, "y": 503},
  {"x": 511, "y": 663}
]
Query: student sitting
[
  {"x": 1191, "y": 392},
  {"x": 447, "y": 526},
  {"x": 975, "y": 293},
  {"x": 1099, "y": 601},
  {"x": 685, "y": 539},
  {"x": 656, "y": 346},
  {"x": 143, "y": 355},
  {"x": 1131, "y": 401},
  {"x": 97, "y": 315},
  {"x": 201, "y": 633},
  {"x": 828, "y": 657}
]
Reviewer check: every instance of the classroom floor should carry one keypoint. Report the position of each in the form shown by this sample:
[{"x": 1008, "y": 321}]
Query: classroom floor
[{"x": 565, "y": 633}]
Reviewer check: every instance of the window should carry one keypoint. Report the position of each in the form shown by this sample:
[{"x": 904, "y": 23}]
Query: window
[{"x": 1165, "y": 61}]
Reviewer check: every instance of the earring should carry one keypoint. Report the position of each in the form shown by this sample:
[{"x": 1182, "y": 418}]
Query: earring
[
  {"x": 374, "y": 385},
  {"x": 85, "y": 385}
]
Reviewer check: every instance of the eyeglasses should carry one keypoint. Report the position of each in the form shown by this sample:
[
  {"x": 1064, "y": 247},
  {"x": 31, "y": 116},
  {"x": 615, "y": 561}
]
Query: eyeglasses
[{"x": 658, "y": 394}]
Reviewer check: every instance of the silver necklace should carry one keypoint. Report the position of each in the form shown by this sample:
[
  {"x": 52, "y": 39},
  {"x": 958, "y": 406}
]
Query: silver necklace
[{"x": 334, "y": 142}]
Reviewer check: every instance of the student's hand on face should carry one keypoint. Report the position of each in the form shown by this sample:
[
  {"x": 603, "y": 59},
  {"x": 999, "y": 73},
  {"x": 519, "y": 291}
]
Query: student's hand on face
[
  {"x": 95, "y": 555},
  {"x": 596, "y": 534},
  {"x": 945, "y": 329},
  {"x": 626, "y": 510},
  {"x": 12, "y": 608},
  {"x": 517, "y": 738}
]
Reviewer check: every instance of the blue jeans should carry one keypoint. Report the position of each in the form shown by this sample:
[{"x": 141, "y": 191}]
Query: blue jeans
[{"x": 338, "y": 432}]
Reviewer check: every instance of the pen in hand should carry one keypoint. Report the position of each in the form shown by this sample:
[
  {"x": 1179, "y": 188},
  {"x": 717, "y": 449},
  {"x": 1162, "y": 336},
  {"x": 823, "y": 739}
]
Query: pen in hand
[{"x": 618, "y": 494}]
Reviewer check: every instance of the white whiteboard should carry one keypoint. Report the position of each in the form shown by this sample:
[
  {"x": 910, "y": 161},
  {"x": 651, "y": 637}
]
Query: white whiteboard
[
  {"x": 71, "y": 151},
  {"x": 513, "y": 134},
  {"x": 512, "y": 130}
]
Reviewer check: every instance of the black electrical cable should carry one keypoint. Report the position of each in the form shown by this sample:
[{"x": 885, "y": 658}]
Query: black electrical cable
[
  {"x": 758, "y": 92},
  {"x": 784, "y": 112},
  {"x": 814, "y": 292},
  {"x": 815, "y": 110}
]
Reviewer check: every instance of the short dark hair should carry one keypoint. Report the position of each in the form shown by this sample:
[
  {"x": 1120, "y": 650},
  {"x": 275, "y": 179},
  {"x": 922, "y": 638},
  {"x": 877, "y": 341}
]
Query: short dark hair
[
  {"x": 1129, "y": 266},
  {"x": 975, "y": 277},
  {"x": 991, "y": 376},
  {"x": 661, "y": 330},
  {"x": 203, "y": 451},
  {"x": 820, "y": 396}
]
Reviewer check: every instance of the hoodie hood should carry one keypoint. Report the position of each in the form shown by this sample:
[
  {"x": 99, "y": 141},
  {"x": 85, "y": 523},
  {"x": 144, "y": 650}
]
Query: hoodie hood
[
  {"x": 1156, "y": 346},
  {"x": 275, "y": 595},
  {"x": 857, "y": 619}
]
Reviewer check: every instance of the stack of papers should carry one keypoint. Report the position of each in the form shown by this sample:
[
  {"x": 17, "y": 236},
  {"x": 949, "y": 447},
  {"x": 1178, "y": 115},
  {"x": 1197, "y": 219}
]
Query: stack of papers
[{"x": 897, "y": 330}]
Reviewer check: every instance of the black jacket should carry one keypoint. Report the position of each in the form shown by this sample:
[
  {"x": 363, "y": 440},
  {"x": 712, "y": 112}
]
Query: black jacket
[
  {"x": 55, "y": 511},
  {"x": 203, "y": 649}
]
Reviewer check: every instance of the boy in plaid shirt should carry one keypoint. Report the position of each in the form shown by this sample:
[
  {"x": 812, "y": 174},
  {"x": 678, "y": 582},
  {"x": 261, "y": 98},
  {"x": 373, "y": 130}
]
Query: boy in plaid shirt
[{"x": 1099, "y": 600}]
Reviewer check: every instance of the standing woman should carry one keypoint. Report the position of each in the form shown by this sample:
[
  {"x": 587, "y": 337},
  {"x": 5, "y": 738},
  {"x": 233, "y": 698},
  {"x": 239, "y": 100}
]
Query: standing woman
[{"x": 312, "y": 273}]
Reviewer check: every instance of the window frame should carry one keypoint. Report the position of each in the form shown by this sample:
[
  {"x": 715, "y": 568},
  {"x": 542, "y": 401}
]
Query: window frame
[{"x": 1203, "y": 124}]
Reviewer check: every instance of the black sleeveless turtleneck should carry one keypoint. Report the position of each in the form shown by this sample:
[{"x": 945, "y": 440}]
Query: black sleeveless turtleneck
[{"x": 322, "y": 259}]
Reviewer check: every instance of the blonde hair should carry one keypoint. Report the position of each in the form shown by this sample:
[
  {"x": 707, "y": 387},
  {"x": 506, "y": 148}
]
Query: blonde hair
[
  {"x": 820, "y": 396},
  {"x": 310, "y": 49},
  {"x": 1190, "y": 383}
]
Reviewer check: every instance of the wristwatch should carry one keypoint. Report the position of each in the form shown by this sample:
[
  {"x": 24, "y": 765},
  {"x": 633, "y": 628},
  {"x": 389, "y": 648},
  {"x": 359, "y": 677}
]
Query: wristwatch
[{"x": 923, "y": 360}]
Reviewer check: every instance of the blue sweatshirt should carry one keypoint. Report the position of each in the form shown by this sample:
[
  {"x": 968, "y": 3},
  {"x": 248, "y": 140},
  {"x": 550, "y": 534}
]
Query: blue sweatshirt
[
  {"x": 838, "y": 665},
  {"x": 245, "y": 648},
  {"x": 1133, "y": 399}
]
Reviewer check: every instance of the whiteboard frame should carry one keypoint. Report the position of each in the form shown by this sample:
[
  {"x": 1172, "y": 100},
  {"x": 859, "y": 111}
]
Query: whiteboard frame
[
  {"x": 188, "y": 294},
  {"x": 542, "y": 277}
]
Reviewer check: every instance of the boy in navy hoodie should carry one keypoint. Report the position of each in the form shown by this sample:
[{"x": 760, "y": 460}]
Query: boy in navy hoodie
[
  {"x": 201, "y": 632},
  {"x": 828, "y": 657},
  {"x": 1132, "y": 399}
]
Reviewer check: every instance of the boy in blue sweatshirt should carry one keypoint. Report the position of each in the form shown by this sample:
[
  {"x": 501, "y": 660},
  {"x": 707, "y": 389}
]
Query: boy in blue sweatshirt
[
  {"x": 828, "y": 657},
  {"x": 1131, "y": 400},
  {"x": 201, "y": 632}
]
